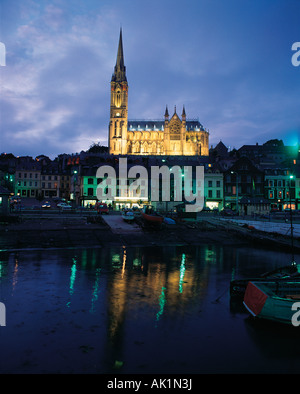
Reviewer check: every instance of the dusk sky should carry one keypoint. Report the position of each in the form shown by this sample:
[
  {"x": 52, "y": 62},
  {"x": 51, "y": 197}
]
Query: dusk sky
[{"x": 227, "y": 61}]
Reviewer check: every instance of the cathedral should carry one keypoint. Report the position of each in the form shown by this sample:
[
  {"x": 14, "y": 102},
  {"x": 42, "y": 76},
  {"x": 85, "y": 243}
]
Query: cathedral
[{"x": 169, "y": 136}]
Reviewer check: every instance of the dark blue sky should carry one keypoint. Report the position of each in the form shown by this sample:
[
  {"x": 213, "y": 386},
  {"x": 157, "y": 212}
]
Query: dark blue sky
[{"x": 228, "y": 62}]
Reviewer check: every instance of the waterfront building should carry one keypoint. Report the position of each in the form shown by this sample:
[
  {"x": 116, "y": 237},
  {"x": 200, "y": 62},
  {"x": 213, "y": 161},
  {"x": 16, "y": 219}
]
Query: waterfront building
[
  {"x": 7, "y": 178},
  {"x": 270, "y": 154},
  {"x": 28, "y": 177},
  {"x": 4, "y": 201},
  {"x": 280, "y": 188},
  {"x": 50, "y": 181},
  {"x": 122, "y": 199},
  {"x": 168, "y": 136},
  {"x": 64, "y": 185},
  {"x": 242, "y": 179},
  {"x": 254, "y": 206},
  {"x": 88, "y": 186},
  {"x": 213, "y": 188},
  {"x": 126, "y": 198},
  {"x": 297, "y": 192}
]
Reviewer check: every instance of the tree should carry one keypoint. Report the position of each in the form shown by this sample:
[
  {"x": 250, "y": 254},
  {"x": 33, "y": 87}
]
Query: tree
[
  {"x": 274, "y": 142},
  {"x": 98, "y": 148}
]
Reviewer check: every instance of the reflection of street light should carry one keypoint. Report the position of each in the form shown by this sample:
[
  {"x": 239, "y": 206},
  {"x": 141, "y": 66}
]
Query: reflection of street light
[
  {"x": 237, "y": 191},
  {"x": 75, "y": 179},
  {"x": 291, "y": 216}
]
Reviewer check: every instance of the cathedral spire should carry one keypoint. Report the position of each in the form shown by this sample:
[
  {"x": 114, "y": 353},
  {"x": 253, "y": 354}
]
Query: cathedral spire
[
  {"x": 119, "y": 74},
  {"x": 166, "y": 112}
]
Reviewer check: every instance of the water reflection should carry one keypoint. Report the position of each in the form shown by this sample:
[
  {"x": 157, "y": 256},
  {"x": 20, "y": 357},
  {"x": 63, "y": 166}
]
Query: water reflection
[
  {"x": 136, "y": 306},
  {"x": 96, "y": 290},
  {"x": 181, "y": 271},
  {"x": 73, "y": 276},
  {"x": 162, "y": 303}
]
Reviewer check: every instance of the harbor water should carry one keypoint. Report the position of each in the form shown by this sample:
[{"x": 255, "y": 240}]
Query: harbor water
[{"x": 138, "y": 310}]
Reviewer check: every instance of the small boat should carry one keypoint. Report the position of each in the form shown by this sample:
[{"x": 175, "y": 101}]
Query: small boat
[
  {"x": 151, "y": 216},
  {"x": 169, "y": 221},
  {"x": 277, "y": 300},
  {"x": 238, "y": 286},
  {"x": 128, "y": 216},
  {"x": 290, "y": 271}
]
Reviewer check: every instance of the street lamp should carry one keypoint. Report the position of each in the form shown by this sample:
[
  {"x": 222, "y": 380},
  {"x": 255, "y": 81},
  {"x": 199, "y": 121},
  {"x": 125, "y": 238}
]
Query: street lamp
[
  {"x": 237, "y": 191},
  {"x": 75, "y": 180},
  {"x": 291, "y": 218}
]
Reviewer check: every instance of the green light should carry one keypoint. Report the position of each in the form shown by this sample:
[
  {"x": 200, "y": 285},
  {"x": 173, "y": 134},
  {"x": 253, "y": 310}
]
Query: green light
[
  {"x": 136, "y": 262},
  {"x": 182, "y": 271},
  {"x": 162, "y": 303},
  {"x": 95, "y": 290},
  {"x": 73, "y": 276}
]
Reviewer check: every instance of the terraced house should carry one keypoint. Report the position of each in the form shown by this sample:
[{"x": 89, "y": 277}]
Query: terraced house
[{"x": 28, "y": 177}]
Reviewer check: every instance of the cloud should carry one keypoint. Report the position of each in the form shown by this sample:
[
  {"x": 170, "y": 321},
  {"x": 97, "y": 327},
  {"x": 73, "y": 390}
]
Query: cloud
[
  {"x": 54, "y": 83},
  {"x": 228, "y": 64}
]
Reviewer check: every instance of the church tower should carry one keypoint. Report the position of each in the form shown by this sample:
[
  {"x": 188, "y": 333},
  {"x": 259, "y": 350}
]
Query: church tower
[{"x": 118, "y": 106}]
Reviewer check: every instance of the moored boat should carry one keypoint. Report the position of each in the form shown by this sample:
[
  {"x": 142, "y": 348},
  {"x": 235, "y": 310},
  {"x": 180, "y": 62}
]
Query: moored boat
[
  {"x": 151, "y": 216},
  {"x": 277, "y": 300},
  {"x": 238, "y": 286},
  {"x": 290, "y": 271}
]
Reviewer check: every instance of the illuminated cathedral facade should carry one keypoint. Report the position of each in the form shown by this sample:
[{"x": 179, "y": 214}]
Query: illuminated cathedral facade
[{"x": 173, "y": 135}]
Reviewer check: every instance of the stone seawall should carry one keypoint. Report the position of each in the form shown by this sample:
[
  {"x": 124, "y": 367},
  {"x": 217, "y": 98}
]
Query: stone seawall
[{"x": 96, "y": 231}]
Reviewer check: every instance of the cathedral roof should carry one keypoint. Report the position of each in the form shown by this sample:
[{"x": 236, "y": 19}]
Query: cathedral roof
[{"x": 157, "y": 125}]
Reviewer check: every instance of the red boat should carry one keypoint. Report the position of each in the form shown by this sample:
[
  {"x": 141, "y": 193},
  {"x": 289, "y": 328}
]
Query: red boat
[{"x": 151, "y": 216}]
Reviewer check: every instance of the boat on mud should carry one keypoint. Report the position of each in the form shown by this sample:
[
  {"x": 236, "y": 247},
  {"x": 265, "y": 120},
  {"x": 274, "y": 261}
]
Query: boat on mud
[{"x": 151, "y": 216}]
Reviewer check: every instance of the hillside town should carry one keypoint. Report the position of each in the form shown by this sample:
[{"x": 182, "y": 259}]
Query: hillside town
[{"x": 254, "y": 179}]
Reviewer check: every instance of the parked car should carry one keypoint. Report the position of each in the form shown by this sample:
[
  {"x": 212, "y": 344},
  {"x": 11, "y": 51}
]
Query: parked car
[
  {"x": 102, "y": 208},
  {"x": 227, "y": 212},
  {"x": 46, "y": 204},
  {"x": 273, "y": 210},
  {"x": 64, "y": 205},
  {"x": 15, "y": 199}
]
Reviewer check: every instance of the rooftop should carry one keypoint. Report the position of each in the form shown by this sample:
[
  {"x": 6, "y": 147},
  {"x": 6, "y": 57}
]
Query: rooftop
[{"x": 158, "y": 125}]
